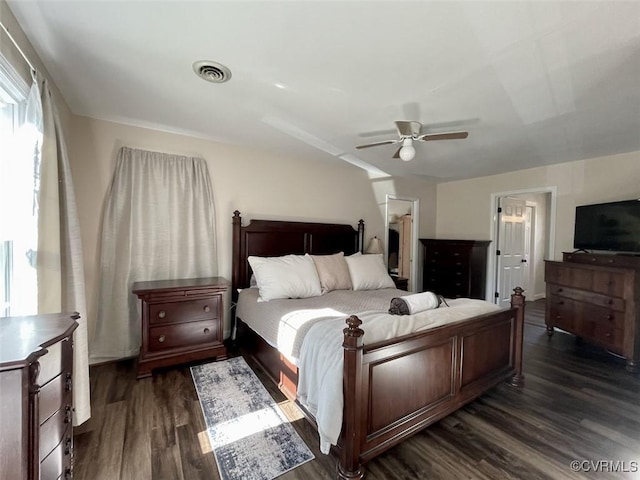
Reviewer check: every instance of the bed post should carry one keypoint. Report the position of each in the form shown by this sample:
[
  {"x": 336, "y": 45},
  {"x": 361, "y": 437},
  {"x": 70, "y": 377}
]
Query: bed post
[
  {"x": 517, "y": 302},
  {"x": 360, "y": 245},
  {"x": 349, "y": 466}
]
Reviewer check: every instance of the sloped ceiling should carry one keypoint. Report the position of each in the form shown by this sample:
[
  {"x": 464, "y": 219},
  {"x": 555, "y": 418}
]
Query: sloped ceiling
[{"x": 533, "y": 83}]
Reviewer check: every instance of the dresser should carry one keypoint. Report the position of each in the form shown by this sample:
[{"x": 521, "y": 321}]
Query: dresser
[
  {"x": 455, "y": 268},
  {"x": 36, "y": 405},
  {"x": 595, "y": 297},
  {"x": 182, "y": 321}
]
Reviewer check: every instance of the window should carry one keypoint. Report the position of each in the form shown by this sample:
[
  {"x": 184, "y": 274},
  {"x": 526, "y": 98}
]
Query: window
[{"x": 18, "y": 198}]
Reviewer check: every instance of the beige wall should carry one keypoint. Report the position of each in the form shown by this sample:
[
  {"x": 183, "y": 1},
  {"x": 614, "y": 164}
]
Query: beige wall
[
  {"x": 259, "y": 184},
  {"x": 464, "y": 208}
]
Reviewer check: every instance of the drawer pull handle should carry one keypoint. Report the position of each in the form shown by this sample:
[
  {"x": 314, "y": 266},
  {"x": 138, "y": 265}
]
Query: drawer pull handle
[
  {"x": 161, "y": 338},
  {"x": 609, "y": 317},
  {"x": 593, "y": 259},
  {"x": 207, "y": 308},
  {"x": 608, "y": 334},
  {"x": 162, "y": 314},
  {"x": 560, "y": 290},
  {"x": 561, "y": 302},
  {"x": 68, "y": 384},
  {"x": 610, "y": 302},
  {"x": 67, "y": 446},
  {"x": 206, "y": 330}
]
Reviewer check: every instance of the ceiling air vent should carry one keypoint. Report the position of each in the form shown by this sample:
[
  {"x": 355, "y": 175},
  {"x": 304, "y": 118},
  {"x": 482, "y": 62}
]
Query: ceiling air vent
[{"x": 212, "y": 71}]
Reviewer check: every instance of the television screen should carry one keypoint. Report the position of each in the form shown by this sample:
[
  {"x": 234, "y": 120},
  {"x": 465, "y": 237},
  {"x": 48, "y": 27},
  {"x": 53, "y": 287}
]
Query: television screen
[{"x": 608, "y": 226}]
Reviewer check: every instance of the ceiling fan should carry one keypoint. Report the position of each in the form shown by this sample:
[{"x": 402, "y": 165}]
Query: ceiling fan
[{"x": 409, "y": 132}]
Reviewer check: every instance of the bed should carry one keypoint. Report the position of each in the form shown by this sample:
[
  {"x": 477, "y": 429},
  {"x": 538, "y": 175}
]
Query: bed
[{"x": 438, "y": 370}]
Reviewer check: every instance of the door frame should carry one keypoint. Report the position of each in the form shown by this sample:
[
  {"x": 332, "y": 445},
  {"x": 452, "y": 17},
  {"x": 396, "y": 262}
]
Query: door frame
[
  {"x": 492, "y": 263},
  {"x": 415, "y": 215}
]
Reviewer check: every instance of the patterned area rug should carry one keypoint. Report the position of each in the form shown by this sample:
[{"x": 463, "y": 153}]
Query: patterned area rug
[{"x": 250, "y": 436}]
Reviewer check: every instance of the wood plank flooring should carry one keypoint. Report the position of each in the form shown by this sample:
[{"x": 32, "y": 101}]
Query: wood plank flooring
[{"x": 578, "y": 404}]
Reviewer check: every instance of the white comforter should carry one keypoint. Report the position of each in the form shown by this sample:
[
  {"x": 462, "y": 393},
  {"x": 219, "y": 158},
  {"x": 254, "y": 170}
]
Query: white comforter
[{"x": 321, "y": 356}]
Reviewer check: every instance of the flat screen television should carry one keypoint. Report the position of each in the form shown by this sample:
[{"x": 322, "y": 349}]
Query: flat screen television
[{"x": 613, "y": 226}]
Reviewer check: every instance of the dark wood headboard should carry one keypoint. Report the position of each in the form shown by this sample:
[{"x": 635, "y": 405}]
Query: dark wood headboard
[{"x": 273, "y": 238}]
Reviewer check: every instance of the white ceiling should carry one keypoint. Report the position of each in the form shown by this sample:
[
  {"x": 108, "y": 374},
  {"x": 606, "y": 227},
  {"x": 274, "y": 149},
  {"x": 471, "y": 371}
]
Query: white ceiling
[{"x": 534, "y": 83}]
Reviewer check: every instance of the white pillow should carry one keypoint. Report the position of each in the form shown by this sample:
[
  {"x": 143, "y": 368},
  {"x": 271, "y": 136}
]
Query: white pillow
[
  {"x": 368, "y": 272},
  {"x": 291, "y": 276}
]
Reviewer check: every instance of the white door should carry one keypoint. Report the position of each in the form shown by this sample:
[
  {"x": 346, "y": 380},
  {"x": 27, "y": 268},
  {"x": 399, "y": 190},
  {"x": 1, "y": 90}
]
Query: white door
[
  {"x": 527, "y": 266},
  {"x": 511, "y": 247}
]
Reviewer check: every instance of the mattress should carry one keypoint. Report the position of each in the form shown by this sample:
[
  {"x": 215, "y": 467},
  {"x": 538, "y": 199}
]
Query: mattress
[{"x": 284, "y": 323}]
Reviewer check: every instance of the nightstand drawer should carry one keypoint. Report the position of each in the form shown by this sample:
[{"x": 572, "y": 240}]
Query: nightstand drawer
[
  {"x": 183, "y": 335},
  {"x": 185, "y": 311}
]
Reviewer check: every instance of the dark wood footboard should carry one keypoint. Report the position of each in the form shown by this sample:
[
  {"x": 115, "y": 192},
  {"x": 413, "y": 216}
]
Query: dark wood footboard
[{"x": 395, "y": 388}]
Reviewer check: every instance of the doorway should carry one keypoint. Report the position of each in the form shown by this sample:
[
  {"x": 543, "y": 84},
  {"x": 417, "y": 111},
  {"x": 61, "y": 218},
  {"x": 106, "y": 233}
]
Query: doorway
[
  {"x": 523, "y": 232},
  {"x": 401, "y": 238}
]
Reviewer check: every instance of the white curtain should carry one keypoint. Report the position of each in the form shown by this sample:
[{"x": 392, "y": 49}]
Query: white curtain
[
  {"x": 59, "y": 262},
  {"x": 158, "y": 224}
]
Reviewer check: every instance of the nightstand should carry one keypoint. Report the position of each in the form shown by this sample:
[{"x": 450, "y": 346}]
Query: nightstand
[
  {"x": 182, "y": 321},
  {"x": 401, "y": 282}
]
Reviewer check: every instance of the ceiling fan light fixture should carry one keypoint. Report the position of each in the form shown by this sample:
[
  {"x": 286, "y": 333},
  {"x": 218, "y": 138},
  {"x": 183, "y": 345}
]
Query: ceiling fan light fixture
[{"x": 408, "y": 151}]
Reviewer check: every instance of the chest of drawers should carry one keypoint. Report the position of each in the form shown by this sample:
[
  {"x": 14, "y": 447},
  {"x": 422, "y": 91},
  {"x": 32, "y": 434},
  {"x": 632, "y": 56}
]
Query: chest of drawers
[
  {"x": 36, "y": 405},
  {"x": 182, "y": 321},
  {"x": 455, "y": 268},
  {"x": 595, "y": 297}
]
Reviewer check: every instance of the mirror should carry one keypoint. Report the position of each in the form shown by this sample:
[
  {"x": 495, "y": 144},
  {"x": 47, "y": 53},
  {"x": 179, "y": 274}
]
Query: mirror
[{"x": 401, "y": 239}]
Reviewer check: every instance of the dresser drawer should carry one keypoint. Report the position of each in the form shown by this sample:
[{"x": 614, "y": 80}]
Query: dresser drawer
[
  {"x": 53, "y": 395},
  {"x": 183, "y": 335},
  {"x": 596, "y": 299},
  {"x": 447, "y": 258},
  {"x": 53, "y": 430},
  {"x": 184, "y": 311},
  {"x": 447, "y": 288},
  {"x": 600, "y": 333},
  {"x": 564, "y": 313},
  {"x": 58, "y": 463},
  {"x": 560, "y": 274},
  {"x": 50, "y": 364},
  {"x": 560, "y": 313},
  {"x": 609, "y": 283}
]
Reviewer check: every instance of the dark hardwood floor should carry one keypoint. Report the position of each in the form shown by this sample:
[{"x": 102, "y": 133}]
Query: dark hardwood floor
[{"x": 578, "y": 404}]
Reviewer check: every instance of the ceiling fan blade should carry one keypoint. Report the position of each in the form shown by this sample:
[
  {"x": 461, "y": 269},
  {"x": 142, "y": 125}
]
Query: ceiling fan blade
[
  {"x": 443, "y": 136},
  {"x": 408, "y": 129},
  {"x": 376, "y": 144},
  {"x": 397, "y": 154}
]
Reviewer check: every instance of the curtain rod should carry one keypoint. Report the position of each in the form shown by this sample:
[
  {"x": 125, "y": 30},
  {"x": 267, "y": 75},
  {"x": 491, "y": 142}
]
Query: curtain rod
[{"x": 18, "y": 48}]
